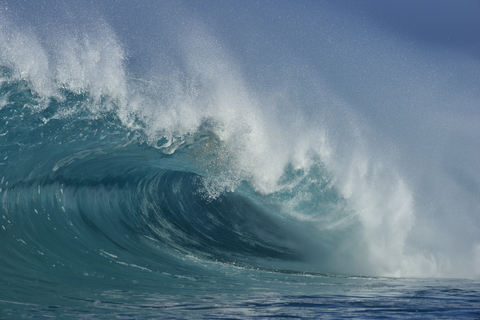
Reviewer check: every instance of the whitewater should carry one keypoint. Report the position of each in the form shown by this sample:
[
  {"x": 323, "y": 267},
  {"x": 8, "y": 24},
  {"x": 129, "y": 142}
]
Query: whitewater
[{"x": 249, "y": 160}]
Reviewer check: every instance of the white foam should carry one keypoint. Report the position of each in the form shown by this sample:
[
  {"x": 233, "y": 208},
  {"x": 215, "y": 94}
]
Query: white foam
[
  {"x": 89, "y": 62},
  {"x": 22, "y": 52}
]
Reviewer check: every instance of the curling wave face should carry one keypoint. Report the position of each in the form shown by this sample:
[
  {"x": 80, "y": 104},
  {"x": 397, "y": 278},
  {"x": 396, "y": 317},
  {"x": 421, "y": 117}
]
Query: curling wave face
[
  {"x": 72, "y": 164},
  {"x": 111, "y": 177},
  {"x": 77, "y": 182}
]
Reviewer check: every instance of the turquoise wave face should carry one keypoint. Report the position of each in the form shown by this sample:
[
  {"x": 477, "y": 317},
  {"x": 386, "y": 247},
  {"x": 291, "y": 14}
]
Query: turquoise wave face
[
  {"x": 86, "y": 194},
  {"x": 94, "y": 209}
]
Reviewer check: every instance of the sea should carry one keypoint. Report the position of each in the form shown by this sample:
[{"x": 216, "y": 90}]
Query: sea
[{"x": 239, "y": 160}]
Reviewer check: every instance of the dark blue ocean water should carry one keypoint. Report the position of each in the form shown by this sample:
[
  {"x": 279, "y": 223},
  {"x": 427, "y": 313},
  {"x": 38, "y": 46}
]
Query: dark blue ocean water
[{"x": 157, "y": 162}]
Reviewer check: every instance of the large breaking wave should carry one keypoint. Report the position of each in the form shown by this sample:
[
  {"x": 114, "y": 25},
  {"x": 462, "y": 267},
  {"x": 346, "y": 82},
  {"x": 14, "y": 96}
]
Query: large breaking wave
[{"x": 110, "y": 171}]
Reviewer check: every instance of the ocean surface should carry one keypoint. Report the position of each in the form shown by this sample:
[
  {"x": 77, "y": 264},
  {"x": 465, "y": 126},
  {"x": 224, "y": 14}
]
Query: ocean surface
[{"x": 179, "y": 160}]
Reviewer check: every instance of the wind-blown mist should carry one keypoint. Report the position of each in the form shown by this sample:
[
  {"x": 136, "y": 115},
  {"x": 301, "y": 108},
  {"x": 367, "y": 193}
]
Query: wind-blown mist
[{"x": 354, "y": 143}]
